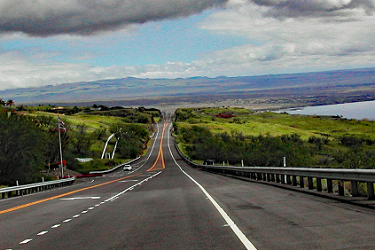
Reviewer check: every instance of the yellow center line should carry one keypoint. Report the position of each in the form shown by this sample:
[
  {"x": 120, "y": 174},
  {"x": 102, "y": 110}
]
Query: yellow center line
[
  {"x": 160, "y": 153},
  {"x": 62, "y": 195}
]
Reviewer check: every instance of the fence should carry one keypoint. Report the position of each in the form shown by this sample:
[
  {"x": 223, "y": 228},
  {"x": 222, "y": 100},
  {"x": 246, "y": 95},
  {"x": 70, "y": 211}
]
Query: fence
[
  {"x": 298, "y": 176},
  {"x": 34, "y": 187},
  {"x": 113, "y": 169}
]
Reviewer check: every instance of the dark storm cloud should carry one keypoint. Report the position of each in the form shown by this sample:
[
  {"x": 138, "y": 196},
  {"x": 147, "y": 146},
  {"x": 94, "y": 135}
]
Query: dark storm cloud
[
  {"x": 51, "y": 17},
  {"x": 318, "y": 8}
]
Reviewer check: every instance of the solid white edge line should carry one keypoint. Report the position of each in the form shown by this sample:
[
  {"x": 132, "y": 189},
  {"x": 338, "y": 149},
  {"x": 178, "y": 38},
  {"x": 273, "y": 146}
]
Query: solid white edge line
[{"x": 241, "y": 236}]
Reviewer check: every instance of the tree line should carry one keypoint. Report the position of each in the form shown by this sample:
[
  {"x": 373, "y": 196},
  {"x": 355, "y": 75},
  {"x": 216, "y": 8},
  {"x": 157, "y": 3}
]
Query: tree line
[
  {"x": 263, "y": 150},
  {"x": 199, "y": 143},
  {"x": 29, "y": 144}
]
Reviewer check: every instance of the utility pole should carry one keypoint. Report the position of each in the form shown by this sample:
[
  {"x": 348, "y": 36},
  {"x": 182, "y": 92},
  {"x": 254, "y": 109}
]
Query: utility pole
[{"x": 59, "y": 127}]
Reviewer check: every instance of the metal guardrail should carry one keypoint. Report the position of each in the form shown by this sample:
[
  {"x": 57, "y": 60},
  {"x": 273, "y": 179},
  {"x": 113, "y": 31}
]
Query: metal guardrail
[
  {"x": 113, "y": 169},
  {"x": 297, "y": 176},
  {"x": 34, "y": 187}
]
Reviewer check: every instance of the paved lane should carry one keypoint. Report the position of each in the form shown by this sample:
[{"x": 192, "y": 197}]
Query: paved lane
[
  {"x": 155, "y": 207},
  {"x": 165, "y": 204},
  {"x": 276, "y": 218}
]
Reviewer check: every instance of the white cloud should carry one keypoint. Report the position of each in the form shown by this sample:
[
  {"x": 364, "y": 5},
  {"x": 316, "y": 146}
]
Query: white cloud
[
  {"x": 18, "y": 72},
  {"x": 291, "y": 44},
  {"x": 321, "y": 36}
]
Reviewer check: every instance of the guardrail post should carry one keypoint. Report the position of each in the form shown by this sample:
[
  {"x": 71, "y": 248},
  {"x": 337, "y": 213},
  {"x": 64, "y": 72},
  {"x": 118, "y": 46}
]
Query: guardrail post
[
  {"x": 288, "y": 181},
  {"x": 277, "y": 178},
  {"x": 301, "y": 182},
  {"x": 272, "y": 177},
  {"x": 329, "y": 186},
  {"x": 355, "y": 192},
  {"x": 17, "y": 192},
  {"x": 268, "y": 177},
  {"x": 310, "y": 182},
  {"x": 319, "y": 184},
  {"x": 282, "y": 179},
  {"x": 294, "y": 180},
  {"x": 370, "y": 190},
  {"x": 340, "y": 185}
]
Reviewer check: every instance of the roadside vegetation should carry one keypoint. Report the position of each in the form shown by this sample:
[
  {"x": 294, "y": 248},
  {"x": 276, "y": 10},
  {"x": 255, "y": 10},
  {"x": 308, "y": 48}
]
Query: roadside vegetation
[
  {"x": 233, "y": 135},
  {"x": 29, "y": 144}
]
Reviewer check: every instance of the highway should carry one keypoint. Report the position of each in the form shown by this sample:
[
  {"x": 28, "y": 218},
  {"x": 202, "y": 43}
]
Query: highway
[{"x": 165, "y": 204}]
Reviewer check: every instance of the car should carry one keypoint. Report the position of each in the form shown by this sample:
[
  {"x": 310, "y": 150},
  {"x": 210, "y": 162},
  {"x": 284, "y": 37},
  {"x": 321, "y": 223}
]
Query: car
[{"x": 127, "y": 168}]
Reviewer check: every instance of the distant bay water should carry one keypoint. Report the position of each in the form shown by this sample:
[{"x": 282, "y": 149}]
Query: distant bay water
[{"x": 355, "y": 110}]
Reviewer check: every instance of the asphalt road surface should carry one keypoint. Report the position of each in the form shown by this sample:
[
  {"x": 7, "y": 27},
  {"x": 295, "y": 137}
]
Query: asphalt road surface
[{"x": 165, "y": 204}]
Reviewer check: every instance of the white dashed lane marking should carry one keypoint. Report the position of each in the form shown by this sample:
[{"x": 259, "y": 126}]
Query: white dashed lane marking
[
  {"x": 91, "y": 208},
  {"x": 80, "y": 198},
  {"x": 25, "y": 241}
]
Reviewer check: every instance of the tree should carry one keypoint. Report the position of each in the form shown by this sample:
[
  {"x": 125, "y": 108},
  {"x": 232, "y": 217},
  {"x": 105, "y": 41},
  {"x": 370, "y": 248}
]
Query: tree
[
  {"x": 81, "y": 140},
  {"x": 100, "y": 133},
  {"x": 132, "y": 139},
  {"x": 22, "y": 148}
]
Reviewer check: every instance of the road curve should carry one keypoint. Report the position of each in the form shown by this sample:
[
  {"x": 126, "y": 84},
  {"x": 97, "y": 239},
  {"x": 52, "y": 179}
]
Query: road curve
[{"x": 165, "y": 204}]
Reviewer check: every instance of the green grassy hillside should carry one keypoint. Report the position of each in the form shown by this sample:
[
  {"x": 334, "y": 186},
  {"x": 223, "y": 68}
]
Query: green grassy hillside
[
  {"x": 88, "y": 128},
  {"x": 321, "y": 141}
]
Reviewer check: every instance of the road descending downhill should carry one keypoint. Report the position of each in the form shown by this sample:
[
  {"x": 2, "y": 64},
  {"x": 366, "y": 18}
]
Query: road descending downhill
[{"x": 163, "y": 203}]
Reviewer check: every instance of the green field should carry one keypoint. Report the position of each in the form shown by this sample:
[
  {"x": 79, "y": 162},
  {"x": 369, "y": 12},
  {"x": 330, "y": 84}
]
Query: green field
[
  {"x": 94, "y": 123},
  {"x": 336, "y": 136},
  {"x": 276, "y": 124}
]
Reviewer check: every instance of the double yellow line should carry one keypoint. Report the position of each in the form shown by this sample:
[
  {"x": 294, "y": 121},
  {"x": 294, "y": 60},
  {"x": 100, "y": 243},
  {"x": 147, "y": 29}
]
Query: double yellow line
[
  {"x": 160, "y": 158},
  {"x": 62, "y": 195}
]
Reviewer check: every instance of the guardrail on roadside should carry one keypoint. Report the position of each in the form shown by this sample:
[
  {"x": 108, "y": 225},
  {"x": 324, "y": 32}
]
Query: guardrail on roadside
[
  {"x": 113, "y": 169},
  {"x": 298, "y": 176},
  {"x": 34, "y": 187}
]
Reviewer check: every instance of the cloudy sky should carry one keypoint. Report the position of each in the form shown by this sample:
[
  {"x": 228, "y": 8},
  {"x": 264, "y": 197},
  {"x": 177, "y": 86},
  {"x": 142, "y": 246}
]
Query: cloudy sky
[{"x": 46, "y": 42}]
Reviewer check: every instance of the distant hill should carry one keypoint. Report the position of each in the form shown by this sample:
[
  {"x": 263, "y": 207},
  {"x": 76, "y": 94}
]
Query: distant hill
[{"x": 132, "y": 90}]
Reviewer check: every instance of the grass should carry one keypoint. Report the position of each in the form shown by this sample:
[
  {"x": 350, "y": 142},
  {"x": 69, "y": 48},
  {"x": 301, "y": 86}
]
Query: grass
[
  {"x": 99, "y": 165},
  {"x": 276, "y": 124},
  {"x": 92, "y": 121}
]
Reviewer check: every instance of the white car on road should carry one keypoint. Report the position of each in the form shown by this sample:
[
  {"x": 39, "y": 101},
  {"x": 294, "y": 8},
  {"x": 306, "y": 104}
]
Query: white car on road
[{"x": 127, "y": 168}]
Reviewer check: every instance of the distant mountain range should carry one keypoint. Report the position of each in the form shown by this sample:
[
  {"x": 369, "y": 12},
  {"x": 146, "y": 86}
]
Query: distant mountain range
[{"x": 135, "y": 91}]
